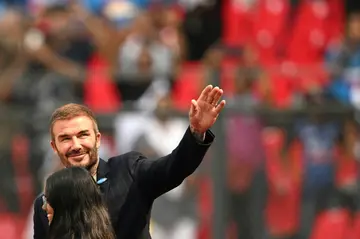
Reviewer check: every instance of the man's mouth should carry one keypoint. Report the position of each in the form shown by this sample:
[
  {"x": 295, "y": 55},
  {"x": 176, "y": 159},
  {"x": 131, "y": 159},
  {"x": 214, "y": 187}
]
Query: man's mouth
[{"x": 77, "y": 157}]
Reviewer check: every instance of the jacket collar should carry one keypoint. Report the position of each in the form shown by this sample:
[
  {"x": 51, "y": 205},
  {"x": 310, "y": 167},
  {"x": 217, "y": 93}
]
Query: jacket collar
[
  {"x": 102, "y": 170},
  {"x": 102, "y": 178}
]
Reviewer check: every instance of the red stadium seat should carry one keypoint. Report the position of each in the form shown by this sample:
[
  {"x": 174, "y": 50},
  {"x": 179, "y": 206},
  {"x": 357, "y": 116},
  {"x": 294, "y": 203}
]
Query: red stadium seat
[
  {"x": 187, "y": 85},
  {"x": 337, "y": 19},
  {"x": 311, "y": 33},
  {"x": 269, "y": 28},
  {"x": 237, "y": 23},
  {"x": 100, "y": 93},
  {"x": 282, "y": 89},
  {"x": 333, "y": 223},
  {"x": 354, "y": 232}
]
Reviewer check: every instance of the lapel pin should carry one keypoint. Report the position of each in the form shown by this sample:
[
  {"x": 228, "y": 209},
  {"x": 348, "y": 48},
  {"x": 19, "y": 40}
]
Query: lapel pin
[{"x": 101, "y": 181}]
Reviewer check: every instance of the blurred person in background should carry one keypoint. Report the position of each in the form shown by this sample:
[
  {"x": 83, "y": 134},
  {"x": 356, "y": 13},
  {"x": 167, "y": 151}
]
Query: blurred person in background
[
  {"x": 143, "y": 39},
  {"x": 284, "y": 176},
  {"x": 135, "y": 53},
  {"x": 161, "y": 125},
  {"x": 202, "y": 26},
  {"x": 246, "y": 176},
  {"x": 144, "y": 35},
  {"x": 171, "y": 32},
  {"x": 130, "y": 182},
  {"x": 173, "y": 214},
  {"x": 347, "y": 166},
  {"x": 243, "y": 132},
  {"x": 317, "y": 135},
  {"x": 343, "y": 60},
  {"x": 12, "y": 67},
  {"x": 48, "y": 49},
  {"x": 75, "y": 207},
  {"x": 211, "y": 63},
  {"x": 46, "y": 70},
  {"x": 251, "y": 79}
]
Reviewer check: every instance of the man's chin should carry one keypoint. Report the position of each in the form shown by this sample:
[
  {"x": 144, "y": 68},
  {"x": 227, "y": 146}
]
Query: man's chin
[
  {"x": 84, "y": 162},
  {"x": 87, "y": 164},
  {"x": 79, "y": 164}
]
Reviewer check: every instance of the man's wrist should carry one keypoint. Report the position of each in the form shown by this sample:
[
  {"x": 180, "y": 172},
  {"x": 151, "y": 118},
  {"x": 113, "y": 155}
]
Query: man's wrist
[{"x": 199, "y": 136}]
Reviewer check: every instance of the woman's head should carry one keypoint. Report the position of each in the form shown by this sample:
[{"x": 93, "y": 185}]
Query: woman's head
[{"x": 74, "y": 205}]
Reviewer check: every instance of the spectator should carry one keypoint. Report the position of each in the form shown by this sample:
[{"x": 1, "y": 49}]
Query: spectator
[
  {"x": 347, "y": 166},
  {"x": 246, "y": 178},
  {"x": 173, "y": 214},
  {"x": 344, "y": 64},
  {"x": 318, "y": 138}
]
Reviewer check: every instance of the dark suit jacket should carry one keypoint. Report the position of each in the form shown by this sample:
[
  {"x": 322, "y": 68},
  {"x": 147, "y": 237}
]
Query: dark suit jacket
[{"x": 134, "y": 182}]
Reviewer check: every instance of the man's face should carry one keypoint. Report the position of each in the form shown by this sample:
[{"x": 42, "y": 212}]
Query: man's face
[{"x": 76, "y": 142}]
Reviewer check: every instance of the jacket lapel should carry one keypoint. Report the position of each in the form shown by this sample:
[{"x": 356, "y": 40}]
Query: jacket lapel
[{"x": 102, "y": 178}]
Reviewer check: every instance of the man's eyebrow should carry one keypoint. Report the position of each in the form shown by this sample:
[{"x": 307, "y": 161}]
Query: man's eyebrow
[{"x": 80, "y": 132}]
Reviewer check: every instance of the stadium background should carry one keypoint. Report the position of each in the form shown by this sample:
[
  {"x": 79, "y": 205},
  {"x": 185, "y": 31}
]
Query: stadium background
[{"x": 285, "y": 163}]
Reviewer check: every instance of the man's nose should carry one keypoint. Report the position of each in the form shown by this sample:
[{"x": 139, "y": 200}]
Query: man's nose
[{"x": 76, "y": 143}]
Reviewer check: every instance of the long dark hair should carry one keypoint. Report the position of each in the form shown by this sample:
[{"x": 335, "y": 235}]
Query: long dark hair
[{"x": 79, "y": 210}]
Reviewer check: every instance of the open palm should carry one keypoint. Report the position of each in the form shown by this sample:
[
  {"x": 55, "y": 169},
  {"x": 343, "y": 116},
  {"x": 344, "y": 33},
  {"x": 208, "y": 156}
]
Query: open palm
[{"x": 205, "y": 110}]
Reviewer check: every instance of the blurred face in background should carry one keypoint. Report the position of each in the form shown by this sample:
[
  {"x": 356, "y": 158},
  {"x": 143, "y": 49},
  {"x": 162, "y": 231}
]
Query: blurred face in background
[
  {"x": 350, "y": 132},
  {"x": 213, "y": 57},
  {"x": 354, "y": 27},
  {"x": 249, "y": 56},
  {"x": 163, "y": 108},
  {"x": 171, "y": 18},
  {"x": 143, "y": 26},
  {"x": 76, "y": 142},
  {"x": 243, "y": 84},
  {"x": 11, "y": 27},
  {"x": 56, "y": 22}
]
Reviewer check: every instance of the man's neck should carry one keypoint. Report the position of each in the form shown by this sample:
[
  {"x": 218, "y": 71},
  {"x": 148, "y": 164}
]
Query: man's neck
[{"x": 93, "y": 169}]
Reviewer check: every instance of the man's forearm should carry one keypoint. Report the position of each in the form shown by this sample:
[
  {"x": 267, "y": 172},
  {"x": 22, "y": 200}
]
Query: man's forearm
[{"x": 159, "y": 176}]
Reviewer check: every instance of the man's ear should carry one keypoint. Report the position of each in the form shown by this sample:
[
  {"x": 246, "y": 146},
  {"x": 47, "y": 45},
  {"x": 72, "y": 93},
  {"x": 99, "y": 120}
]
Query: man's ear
[
  {"x": 98, "y": 140},
  {"x": 53, "y": 146}
]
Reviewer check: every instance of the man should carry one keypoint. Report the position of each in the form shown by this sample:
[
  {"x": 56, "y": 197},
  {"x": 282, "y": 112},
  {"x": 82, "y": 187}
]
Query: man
[{"x": 129, "y": 182}]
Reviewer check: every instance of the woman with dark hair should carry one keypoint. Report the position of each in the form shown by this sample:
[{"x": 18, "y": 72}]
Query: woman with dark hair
[{"x": 74, "y": 206}]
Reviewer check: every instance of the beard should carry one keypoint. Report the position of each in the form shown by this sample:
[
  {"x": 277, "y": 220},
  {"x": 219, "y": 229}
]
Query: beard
[{"x": 92, "y": 153}]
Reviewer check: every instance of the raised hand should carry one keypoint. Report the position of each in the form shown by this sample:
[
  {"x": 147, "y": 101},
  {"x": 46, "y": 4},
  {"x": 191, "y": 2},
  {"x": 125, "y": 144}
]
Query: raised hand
[{"x": 205, "y": 110}]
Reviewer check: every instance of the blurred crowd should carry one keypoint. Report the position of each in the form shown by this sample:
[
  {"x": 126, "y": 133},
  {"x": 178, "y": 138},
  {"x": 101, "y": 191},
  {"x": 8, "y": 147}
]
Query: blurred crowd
[{"x": 297, "y": 180}]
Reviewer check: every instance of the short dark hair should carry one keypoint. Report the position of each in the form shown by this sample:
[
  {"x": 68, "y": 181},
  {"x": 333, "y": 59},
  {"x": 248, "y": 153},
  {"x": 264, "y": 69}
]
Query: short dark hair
[
  {"x": 79, "y": 210},
  {"x": 70, "y": 111}
]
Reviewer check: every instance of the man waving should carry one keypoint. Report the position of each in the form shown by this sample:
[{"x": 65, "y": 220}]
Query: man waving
[{"x": 129, "y": 182}]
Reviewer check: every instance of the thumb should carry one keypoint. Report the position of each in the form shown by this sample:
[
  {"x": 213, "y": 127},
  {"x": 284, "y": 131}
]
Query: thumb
[{"x": 193, "y": 108}]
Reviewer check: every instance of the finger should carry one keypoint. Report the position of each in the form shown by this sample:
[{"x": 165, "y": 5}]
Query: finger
[
  {"x": 193, "y": 108},
  {"x": 205, "y": 93},
  {"x": 217, "y": 96},
  {"x": 220, "y": 106},
  {"x": 212, "y": 95}
]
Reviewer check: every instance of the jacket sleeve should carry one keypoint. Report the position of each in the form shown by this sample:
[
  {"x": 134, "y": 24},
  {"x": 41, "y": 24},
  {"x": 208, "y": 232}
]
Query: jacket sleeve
[
  {"x": 156, "y": 177},
  {"x": 40, "y": 232}
]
